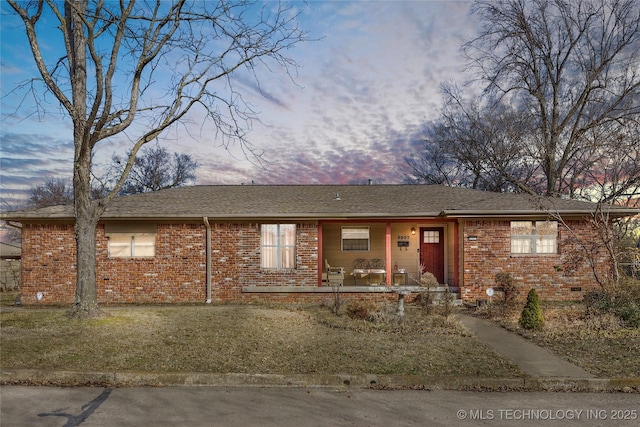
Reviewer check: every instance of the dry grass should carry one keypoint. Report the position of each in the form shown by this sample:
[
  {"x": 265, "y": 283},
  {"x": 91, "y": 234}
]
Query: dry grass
[
  {"x": 8, "y": 298},
  {"x": 244, "y": 339},
  {"x": 597, "y": 343}
]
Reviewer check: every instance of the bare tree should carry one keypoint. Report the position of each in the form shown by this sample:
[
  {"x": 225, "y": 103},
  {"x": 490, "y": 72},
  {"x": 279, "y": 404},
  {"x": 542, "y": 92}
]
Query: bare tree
[
  {"x": 434, "y": 165},
  {"x": 559, "y": 115},
  {"x": 153, "y": 169},
  {"x": 54, "y": 191},
  {"x": 575, "y": 65},
  {"x": 136, "y": 69},
  {"x": 615, "y": 172},
  {"x": 156, "y": 169},
  {"x": 476, "y": 145},
  {"x": 601, "y": 249}
]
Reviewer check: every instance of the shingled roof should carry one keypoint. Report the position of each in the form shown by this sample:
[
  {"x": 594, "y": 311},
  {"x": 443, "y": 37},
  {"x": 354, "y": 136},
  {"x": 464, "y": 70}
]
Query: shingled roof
[{"x": 321, "y": 202}]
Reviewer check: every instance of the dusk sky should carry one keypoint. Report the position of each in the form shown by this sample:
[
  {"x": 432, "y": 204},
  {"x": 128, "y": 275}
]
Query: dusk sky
[{"x": 363, "y": 91}]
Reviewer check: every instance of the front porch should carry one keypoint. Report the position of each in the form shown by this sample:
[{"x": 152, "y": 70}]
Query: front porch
[
  {"x": 389, "y": 253},
  {"x": 375, "y": 259}
]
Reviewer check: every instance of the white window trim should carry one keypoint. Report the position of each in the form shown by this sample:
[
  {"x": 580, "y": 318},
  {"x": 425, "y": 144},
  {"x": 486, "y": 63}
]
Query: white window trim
[
  {"x": 279, "y": 247},
  {"x": 533, "y": 239}
]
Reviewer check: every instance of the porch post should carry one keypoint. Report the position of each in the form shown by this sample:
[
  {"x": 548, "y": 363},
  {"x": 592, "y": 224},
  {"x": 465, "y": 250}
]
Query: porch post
[
  {"x": 456, "y": 255},
  {"x": 387, "y": 262},
  {"x": 320, "y": 255}
]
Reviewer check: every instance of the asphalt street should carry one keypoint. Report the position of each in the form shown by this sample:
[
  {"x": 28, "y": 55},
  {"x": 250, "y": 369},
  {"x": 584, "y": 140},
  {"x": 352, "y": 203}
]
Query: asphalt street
[{"x": 254, "y": 406}]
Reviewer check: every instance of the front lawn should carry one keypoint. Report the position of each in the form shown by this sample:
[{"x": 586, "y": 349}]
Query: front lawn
[{"x": 244, "y": 339}]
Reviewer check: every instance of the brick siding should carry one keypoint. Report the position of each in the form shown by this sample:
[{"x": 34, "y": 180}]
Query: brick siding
[
  {"x": 177, "y": 272},
  {"x": 547, "y": 273},
  {"x": 235, "y": 261},
  {"x": 48, "y": 263}
]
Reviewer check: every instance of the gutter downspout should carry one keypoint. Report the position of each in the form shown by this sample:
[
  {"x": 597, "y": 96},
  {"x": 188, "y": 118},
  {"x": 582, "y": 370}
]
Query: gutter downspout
[{"x": 208, "y": 262}]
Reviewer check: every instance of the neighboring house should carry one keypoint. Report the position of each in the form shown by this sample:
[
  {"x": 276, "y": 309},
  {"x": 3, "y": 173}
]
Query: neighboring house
[
  {"x": 9, "y": 267},
  {"x": 246, "y": 243}
]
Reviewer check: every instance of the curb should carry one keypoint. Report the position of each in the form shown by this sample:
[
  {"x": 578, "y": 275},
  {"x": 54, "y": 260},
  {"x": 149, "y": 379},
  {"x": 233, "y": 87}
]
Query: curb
[{"x": 383, "y": 382}]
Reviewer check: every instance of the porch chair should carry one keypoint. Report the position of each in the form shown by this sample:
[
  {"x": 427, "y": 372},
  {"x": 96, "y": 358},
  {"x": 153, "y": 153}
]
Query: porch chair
[
  {"x": 360, "y": 267},
  {"x": 335, "y": 275},
  {"x": 376, "y": 266}
]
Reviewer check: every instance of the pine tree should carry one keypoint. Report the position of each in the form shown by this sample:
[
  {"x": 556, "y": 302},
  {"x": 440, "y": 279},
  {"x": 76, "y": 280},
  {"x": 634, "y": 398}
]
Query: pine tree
[{"x": 531, "y": 317}]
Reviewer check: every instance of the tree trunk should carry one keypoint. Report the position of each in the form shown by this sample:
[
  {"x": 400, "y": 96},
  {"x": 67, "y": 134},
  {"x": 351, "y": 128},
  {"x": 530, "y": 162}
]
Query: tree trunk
[
  {"x": 87, "y": 213},
  {"x": 86, "y": 299}
]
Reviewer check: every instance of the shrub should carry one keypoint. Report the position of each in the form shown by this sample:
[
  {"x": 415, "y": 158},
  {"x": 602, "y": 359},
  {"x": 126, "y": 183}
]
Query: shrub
[
  {"x": 629, "y": 313},
  {"x": 597, "y": 302},
  {"x": 627, "y": 300},
  {"x": 622, "y": 301},
  {"x": 424, "y": 300},
  {"x": 364, "y": 310},
  {"x": 531, "y": 316},
  {"x": 446, "y": 306},
  {"x": 509, "y": 289},
  {"x": 428, "y": 280}
]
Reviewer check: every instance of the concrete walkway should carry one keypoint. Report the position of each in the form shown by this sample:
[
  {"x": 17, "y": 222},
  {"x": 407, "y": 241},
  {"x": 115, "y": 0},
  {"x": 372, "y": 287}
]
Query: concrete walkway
[{"x": 532, "y": 359}]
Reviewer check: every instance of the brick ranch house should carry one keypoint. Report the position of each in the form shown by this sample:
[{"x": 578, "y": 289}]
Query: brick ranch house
[{"x": 271, "y": 243}]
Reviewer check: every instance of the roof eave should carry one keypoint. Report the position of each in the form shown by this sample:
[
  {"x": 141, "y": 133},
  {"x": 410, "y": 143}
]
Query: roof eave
[
  {"x": 273, "y": 216},
  {"x": 529, "y": 212},
  {"x": 453, "y": 213}
]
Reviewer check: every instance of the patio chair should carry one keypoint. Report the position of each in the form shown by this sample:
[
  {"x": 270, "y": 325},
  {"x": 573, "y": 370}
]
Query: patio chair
[
  {"x": 360, "y": 264},
  {"x": 376, "y": 266},
  {"x": 335, "y": 275},
  {"x": 360, "y": 268}
]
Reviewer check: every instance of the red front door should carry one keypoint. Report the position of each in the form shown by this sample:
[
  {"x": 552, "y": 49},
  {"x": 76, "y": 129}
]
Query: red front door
[{"x": 432, "y": 251}]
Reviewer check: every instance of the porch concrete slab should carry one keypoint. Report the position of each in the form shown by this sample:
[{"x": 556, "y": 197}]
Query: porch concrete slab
[{"x": 532, "y": 359}]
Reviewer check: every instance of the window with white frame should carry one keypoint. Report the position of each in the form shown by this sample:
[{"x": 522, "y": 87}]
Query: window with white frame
[
  {"x": 534, "y": 237},
  {"x": 132, "y": 245},
  {"x": 355, "y": 238},
  {"x": 278, "y": 246}
]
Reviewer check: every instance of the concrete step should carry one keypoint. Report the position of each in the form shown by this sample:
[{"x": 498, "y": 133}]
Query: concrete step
[{"x": 439, "y": 293}]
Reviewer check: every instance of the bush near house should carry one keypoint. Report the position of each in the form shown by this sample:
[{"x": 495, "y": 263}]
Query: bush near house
[
  {"x": 622, "y": 301},
  {"x": 505, "y": 284},
  {"x": 362, "y": 310},
  {"x": 428, "y": 280},
  {"x": 531, "y": 317},
  {"x": 424, "y": 300}
]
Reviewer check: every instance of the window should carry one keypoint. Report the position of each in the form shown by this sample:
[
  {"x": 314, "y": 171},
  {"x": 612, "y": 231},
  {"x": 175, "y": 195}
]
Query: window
[
  {"x": 355, "y": 238},
  {"x": 534, "y": 237},
  {"x": 431, "y": 236},
  {"x": 278, "y": 246},
  {"x": 131, "y": 239},
  {"x": 132, "y": 245}
]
